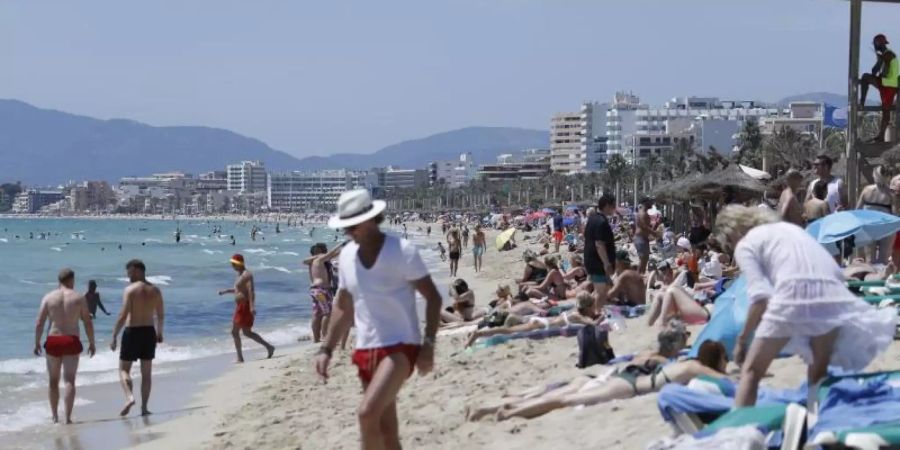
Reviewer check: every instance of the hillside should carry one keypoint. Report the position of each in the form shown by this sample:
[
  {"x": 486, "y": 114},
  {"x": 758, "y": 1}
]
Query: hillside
[{"x": 485, "y": 143}]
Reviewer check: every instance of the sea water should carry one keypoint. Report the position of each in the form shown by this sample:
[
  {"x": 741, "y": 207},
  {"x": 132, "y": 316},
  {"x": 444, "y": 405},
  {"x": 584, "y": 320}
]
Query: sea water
[{"x": 189, "y": 273}]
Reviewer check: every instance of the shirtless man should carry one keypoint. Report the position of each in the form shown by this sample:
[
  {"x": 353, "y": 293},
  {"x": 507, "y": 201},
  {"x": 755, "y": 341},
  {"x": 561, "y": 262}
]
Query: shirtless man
[
  {"x": 141, "y": 303},
  {"x": 244, "y": 308},
  {"x": 64, "y": 308},
  {"x": 642, "y": 232},
  {"x": 788, "y": 205},
  {"x": 321, "y": 286},
  {"x": 628, "y": 285},
  {"x": 93, "y": 299}
]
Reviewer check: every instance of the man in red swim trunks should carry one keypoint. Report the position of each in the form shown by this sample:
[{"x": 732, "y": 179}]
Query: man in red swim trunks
[
  {"x": 244, "y": 307},
  {"x": 884, "y": 76},
  {"x": 64, "y": 308},
  {"x": 378, "y": 278}
]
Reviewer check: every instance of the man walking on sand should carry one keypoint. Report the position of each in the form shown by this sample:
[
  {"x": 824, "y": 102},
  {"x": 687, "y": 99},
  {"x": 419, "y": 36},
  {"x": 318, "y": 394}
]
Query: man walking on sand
[
  {"x": 379, "y": 275},
  {"x": 244, "y": 308},
  {"x": 642, "y": 232},
  {"x": 321, "y": 286},
  {"x": 64, "y": 308},
  {"x": 600, "y": 250},
  {"x": 142, "y": 302}
]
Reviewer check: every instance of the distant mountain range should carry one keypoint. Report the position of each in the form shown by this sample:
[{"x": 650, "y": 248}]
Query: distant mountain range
[
  {"x": 45, "y": 147},
  {"x": 821, "y": 97}
]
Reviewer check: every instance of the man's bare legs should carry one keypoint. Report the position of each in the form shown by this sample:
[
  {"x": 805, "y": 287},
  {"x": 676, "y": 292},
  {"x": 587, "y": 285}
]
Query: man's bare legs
[
  {"x": 821, "y": 352},
  {"x": 377, "y": 414},
  {"x": 759, "y": 357},
  {"x": 870, "y": 80},
  {"x": 146, "y": 383},
  {"x": 601, "y": 296},
  {"x": 54, "y": 367},
  {"x": 69, "y": 369},
  {"x": 317, "y": 327},
  {"x": 236, "y": 334},
  {"x": 127, "y": 385}
]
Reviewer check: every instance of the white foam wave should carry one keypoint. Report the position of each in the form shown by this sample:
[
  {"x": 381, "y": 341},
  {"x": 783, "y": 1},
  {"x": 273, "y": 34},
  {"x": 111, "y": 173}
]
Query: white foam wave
[
  {"x": 287, "y": 240},
  {"x": 256, "y": 250},
  {"x": 56, "y": 249},
  {"x": 162, "y": 280},
  {"x": 211, "y": 252},
  {"x": 4, "y": 240},
  {"x": 153, "y": 240},
  {"x": 30, "y": 414},
  {"x": 264, "y": 266},
  {"x": 290, "y": 253}
]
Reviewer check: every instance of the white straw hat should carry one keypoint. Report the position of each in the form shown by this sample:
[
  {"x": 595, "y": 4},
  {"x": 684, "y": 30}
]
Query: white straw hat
[{"x": 355, "y": 207}]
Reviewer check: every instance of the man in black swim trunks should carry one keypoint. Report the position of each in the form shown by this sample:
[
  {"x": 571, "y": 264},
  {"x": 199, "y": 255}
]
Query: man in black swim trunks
[{"x": 142, "y": 301}]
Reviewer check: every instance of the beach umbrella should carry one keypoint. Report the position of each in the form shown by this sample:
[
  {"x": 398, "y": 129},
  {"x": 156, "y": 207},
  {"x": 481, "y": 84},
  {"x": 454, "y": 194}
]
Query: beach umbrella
[
  {"x": 864, "y": 225},
  {"x": 548, "y": 211},
  {"x": 571, "y": 207},
  {"x": 504, "y": 237},
  {"x": 727, "y": 320},
  {"x": 568, "y": 221}
]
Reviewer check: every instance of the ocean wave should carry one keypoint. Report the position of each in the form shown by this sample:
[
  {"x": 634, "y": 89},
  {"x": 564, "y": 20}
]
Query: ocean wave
[
  {"x": 153, "y": 240},
  {"x": 260, "y": 251},
  {"x": 290, "y": 253},
  {"x": 162, "y": 280},
  {"x": 56, "y": 249},
  {"x": 4, "y": 240},
  {"x": 211, "y": 252},
  {"x": 264, "y": 266},
  {"x": 31, "y": 414}
]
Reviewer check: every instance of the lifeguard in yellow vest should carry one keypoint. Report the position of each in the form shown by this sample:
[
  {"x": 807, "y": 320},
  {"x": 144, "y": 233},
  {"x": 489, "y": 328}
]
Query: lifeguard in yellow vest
[{"x": 884, "y": 76}]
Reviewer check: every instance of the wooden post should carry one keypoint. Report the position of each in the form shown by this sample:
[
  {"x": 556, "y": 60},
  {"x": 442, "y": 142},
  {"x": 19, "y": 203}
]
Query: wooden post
[{"x": 853, "y": 97}]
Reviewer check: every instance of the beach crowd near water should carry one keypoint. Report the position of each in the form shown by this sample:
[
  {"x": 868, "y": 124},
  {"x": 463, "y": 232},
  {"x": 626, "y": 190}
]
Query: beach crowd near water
[{"x": 563, "y": 316}]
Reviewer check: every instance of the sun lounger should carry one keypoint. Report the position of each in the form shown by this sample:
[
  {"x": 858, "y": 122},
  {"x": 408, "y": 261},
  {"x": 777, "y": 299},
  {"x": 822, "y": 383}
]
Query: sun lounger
[
  {"x": 783, "y": 423},
  {"x": 858, "y": 411}
]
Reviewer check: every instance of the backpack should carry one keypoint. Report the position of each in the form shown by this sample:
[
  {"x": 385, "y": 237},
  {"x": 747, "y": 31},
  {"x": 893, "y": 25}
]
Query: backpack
[{"x": 593, "y": 347}]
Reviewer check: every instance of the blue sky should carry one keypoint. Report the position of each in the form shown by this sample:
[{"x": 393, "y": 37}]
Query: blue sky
[{"x": 318, "y": 77}]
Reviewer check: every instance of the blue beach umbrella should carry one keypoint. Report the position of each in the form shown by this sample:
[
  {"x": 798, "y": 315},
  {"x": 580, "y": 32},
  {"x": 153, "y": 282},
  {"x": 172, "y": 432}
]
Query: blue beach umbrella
[
  {"x": 727, "y": 320},
  {"x": 866, "y": 226},
  {"x": 549, "y": 210}
]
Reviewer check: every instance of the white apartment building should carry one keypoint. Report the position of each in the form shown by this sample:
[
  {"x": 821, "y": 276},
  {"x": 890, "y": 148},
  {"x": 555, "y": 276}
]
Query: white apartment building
[
  {"x": 621, "y": 122},
  {"x": 804, "y": 117},
  {"x": 533, "y": 164},
  {"x": 246, "y": 177},
  {"x": 305, "y": 191},
  {"x": 454, "y": 173},
  {"x": 566, "y": 154}
]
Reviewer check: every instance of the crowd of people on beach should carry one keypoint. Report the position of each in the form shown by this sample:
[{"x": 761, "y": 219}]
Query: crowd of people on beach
[{"x": 585, "y": 267}]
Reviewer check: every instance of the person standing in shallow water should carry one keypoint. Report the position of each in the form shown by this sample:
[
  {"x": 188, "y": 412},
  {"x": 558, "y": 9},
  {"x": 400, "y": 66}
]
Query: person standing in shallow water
[
  {"x": 93, "y": 299},
  {"x": 63, "y": 307},
  {"x": 244, "y": 292},
  {"x": 142, "y": 302}
]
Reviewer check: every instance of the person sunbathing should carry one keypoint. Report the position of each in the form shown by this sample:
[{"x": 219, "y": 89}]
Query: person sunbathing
[
  {"x": 576, "y": 276},
  {"x": 535, "y": 271},
  {"x": 463, "y": 308},
  {"x": 554, "y": 285},
  {"x": 628, "y": 285},
  {"x": 634, "y": 380},
  {"x": 584, "y": 315}
]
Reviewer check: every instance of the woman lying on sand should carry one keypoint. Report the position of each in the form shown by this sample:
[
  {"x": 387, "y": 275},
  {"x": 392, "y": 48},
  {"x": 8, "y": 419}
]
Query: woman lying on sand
[
  {"x": 636, "y": 379},
  {"x": 463, "y": 309},
  {"x": 585, "y": 315}
]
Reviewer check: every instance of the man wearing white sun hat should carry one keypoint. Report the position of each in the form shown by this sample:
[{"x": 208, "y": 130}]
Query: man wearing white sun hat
[{"x": 378, "y": 277}]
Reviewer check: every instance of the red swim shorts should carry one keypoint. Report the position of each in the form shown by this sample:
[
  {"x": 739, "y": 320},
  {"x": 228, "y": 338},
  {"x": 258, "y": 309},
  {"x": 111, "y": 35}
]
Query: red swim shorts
[
  {"x": 59, "y": 346},
  {"x": 367, "y": 360},
  {"x": 887, "y": 96},
  {"x": 557, "y": 236},
  {"x": 243, "y": 317}
]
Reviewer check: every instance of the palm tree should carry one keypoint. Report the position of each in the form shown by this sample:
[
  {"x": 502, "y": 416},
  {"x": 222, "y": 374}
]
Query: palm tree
[
  {"x": 750, "y": 144},
  {"x": 617, "y": 169},
  {"x": 787, "y": 148}
]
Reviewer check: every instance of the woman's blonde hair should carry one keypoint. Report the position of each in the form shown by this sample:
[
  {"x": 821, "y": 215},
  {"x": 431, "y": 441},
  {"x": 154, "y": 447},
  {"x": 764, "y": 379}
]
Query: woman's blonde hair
[
  {"x": 577, "y": 259},
  {"x": 737, "y": 220},
  {"x": 584, "y": 300},
  {"x": 881, "y": 176},
  {"x": 551, "y": 261},
  {"x": 504, "y": 290}
]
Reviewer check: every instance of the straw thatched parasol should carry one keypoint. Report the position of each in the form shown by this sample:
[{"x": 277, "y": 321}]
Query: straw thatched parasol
[{"x": 710, "y": 185}]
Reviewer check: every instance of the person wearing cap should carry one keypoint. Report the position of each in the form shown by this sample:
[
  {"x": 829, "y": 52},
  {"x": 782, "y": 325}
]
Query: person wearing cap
[
  {"x": 788, "y": 205},
  {"x": 837, "y": 194},
  {"x": 884, "y": 76},
  {"x": 378, "y": 279},
  {"x": 244, "y": 291}
]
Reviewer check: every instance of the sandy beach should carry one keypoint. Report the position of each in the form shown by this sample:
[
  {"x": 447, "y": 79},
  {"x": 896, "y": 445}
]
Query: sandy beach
[{"x": 281, "y": 403}]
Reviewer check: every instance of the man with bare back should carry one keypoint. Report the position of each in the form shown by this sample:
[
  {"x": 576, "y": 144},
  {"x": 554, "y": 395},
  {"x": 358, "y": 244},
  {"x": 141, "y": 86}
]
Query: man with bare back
[
  {"x": 322, "y": 285},
  {"x": 244, "y": 308},
  {"x": 64, "y": 308},
  {"x": 142, "y": 307}
]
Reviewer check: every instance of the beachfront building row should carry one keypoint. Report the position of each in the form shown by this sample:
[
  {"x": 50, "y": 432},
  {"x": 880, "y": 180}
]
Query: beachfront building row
[
  {"x": 311, "y": 191},
  {"x": 32, "y": 201},
  {"x": 247, "y": 177},
  {"x": 531, "y": 164},
  {"x": 583, "y": 141},
  {"x": 453, "y": 173}
]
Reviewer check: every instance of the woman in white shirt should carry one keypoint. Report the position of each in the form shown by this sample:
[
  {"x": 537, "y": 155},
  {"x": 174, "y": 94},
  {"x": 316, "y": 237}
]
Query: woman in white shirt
[{"x": 799, "y": 302}]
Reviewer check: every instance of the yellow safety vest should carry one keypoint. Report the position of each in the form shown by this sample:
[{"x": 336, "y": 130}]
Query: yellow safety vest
[{"x": 893, "y": 73}]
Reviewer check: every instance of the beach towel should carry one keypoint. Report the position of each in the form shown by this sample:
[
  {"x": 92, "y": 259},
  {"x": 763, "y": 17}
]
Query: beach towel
[
  {"x": 741, "y": 438},
  {"x": 858, "y": 402},
  {"x": 593, "y": 347}
]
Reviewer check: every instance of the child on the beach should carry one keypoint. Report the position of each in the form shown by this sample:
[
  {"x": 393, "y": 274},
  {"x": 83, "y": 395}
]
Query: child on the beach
[{"x": 443, "y": 251}]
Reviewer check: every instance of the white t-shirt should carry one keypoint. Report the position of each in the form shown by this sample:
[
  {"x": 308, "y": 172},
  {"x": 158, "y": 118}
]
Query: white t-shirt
[
  {"x": 384, "y": 299},
  {"x": 833, "y": 197}
]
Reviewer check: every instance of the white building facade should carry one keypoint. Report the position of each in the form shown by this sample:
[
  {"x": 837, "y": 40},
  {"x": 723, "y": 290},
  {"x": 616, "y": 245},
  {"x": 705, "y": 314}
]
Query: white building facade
[
  {"x": 454, "y": 173},
  {"x": 247, "y": 177},
  {"x": 311, "y": 191}
]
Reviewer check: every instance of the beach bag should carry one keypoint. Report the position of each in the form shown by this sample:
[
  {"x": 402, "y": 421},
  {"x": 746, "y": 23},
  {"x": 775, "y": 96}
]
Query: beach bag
[{"x": 593, "y": 347}]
